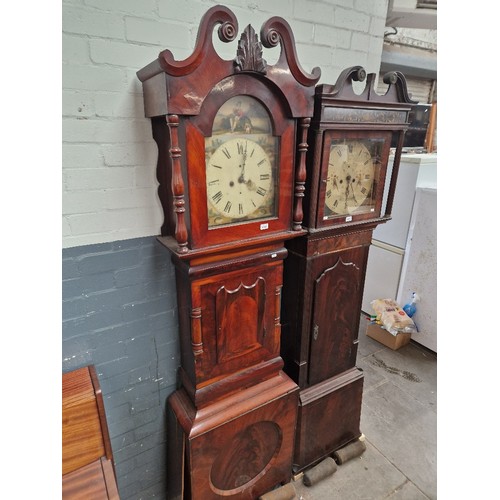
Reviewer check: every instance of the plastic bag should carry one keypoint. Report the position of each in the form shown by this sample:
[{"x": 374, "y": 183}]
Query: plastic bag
[{"x": 392, "y": 317}]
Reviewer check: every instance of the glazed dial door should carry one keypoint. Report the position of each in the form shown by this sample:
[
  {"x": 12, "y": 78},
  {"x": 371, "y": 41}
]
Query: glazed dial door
[
  {"x": 241, "y": 164},
  {"x": 353, "y": 175}
]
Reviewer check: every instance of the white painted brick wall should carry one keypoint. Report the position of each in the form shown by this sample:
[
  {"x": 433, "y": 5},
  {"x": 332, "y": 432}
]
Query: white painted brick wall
[{"x": 108, "y": 154}]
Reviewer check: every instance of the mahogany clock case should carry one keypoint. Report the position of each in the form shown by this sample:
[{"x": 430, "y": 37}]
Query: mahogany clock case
[
  {"x": 324, "y": 272},
  {"x": 229, "y": 316},
  {"x": 234, "y": 396},
  {"x": 199, "y": 130},
  {"x": 325, "y": 269},
  {"x": 322, "y": 293},
  {"x": 238, "y": 448},
  {"x": 321, "y": 305},
  {"x": 232, "y": 143},
  {"x": 205, "y": 107},
  {"x": 329, "y": 417},
  {"x": 228, "y": 259},
  {"x": 364, "y": 118}
]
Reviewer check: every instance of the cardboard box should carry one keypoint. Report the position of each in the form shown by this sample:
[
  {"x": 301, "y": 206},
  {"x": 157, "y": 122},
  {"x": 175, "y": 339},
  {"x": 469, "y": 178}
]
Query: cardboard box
[{"x": 384, "y": 337}]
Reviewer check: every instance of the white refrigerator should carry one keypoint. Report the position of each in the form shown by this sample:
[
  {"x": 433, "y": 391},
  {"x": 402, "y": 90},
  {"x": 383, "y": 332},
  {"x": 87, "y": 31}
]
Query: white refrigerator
[{"x": 403, "y": 255}]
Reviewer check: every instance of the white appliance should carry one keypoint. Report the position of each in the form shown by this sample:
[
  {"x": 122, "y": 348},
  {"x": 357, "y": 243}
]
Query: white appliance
[{"x": 402, "y": 258}]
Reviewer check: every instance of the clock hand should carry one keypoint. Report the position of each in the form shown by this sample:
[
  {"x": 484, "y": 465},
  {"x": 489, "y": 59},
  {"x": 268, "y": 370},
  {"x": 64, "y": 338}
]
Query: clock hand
[
  {"x": 241, "y": 178},
  {"x": 346, "y": 195},
  {"x": 249, "y": 183},
  {"x": 349, "y": 187}
]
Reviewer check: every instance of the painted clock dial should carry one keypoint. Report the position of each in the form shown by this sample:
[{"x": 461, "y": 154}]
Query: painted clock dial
[
  {"x": 353, "y": 169},
  {"x": 241, "y": 159}
]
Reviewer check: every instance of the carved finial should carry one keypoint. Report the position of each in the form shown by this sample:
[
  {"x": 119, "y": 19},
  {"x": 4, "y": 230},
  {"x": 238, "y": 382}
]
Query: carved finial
[
  {"x": 343, "y": 88},
  {"x": 249, "y": 53},
  {"x": 390, "y": 78},
  {"x": 354, "y": 73},
  {"x": 358, "y": 74},
  {"x": 397, "y": 81},
  {"x": 276, "y": 30},
  {"x": 227, "y": 32}
]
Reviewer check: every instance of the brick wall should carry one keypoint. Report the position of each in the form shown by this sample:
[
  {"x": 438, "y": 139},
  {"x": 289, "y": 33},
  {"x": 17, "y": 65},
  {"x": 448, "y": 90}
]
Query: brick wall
[{"x": 119, "y": 313}]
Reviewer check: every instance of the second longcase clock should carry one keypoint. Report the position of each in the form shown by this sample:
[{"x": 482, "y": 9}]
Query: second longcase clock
[
  {"x": 350, "y": 141},
  {"x": 232, "y": 138}
]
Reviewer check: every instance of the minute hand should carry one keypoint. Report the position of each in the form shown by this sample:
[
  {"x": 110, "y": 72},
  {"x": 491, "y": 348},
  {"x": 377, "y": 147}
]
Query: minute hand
[{"x": 241, "y": 179}]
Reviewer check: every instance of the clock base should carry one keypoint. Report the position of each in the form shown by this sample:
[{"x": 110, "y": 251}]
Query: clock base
[
  {"x": 328, "y": 418},
  {"x": 237, "y": 448}
]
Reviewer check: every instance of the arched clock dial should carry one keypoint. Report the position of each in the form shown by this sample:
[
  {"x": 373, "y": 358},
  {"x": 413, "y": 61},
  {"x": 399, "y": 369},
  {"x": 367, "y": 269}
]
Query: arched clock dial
[
  {"x": 350, "y": 178},
  {"x": 240, "y": 181},
  {"x": 241, "y": 158}
]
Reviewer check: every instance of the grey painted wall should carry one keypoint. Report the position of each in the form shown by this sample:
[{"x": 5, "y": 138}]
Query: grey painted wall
[{"x": 119, "y": 313}]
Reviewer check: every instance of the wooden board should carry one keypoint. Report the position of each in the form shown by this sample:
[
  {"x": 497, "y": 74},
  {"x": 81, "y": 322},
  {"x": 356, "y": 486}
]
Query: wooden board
[
  {"x": 87, "y": 466},
  {"x": 329, "y": 417},
  {"x": 93, "y": 481},
  {"x": 82, "y": 440},
  {"x": 239, "y": 447}
]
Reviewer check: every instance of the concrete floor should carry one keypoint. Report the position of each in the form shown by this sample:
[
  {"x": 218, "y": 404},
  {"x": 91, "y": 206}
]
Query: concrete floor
[{"x": 398, "y": 421}]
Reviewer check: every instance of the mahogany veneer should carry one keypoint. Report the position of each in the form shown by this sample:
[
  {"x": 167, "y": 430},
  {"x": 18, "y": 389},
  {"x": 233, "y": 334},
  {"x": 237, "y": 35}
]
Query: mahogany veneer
[{"x": 87, "y": 459}]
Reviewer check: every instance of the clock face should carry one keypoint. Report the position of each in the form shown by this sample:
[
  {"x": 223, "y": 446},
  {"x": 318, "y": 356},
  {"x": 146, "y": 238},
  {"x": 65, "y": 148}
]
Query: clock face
[
  {"x": 352, "y": 175},
  {"x": 239, "y": 181},
  {"x": 241, "y": 159}
]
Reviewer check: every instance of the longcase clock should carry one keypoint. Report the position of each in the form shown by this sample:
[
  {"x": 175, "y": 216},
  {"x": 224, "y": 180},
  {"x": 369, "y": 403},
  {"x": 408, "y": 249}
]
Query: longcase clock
[
  {"x": 232, "y": 141},
  {"x": 350, "y": 142}
]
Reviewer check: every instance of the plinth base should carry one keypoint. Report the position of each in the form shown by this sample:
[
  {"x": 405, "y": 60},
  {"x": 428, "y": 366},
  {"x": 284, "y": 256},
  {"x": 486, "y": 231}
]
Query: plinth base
[
  {"x": 329, "y": 417},
  {"x": 237, "y": 448}
]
